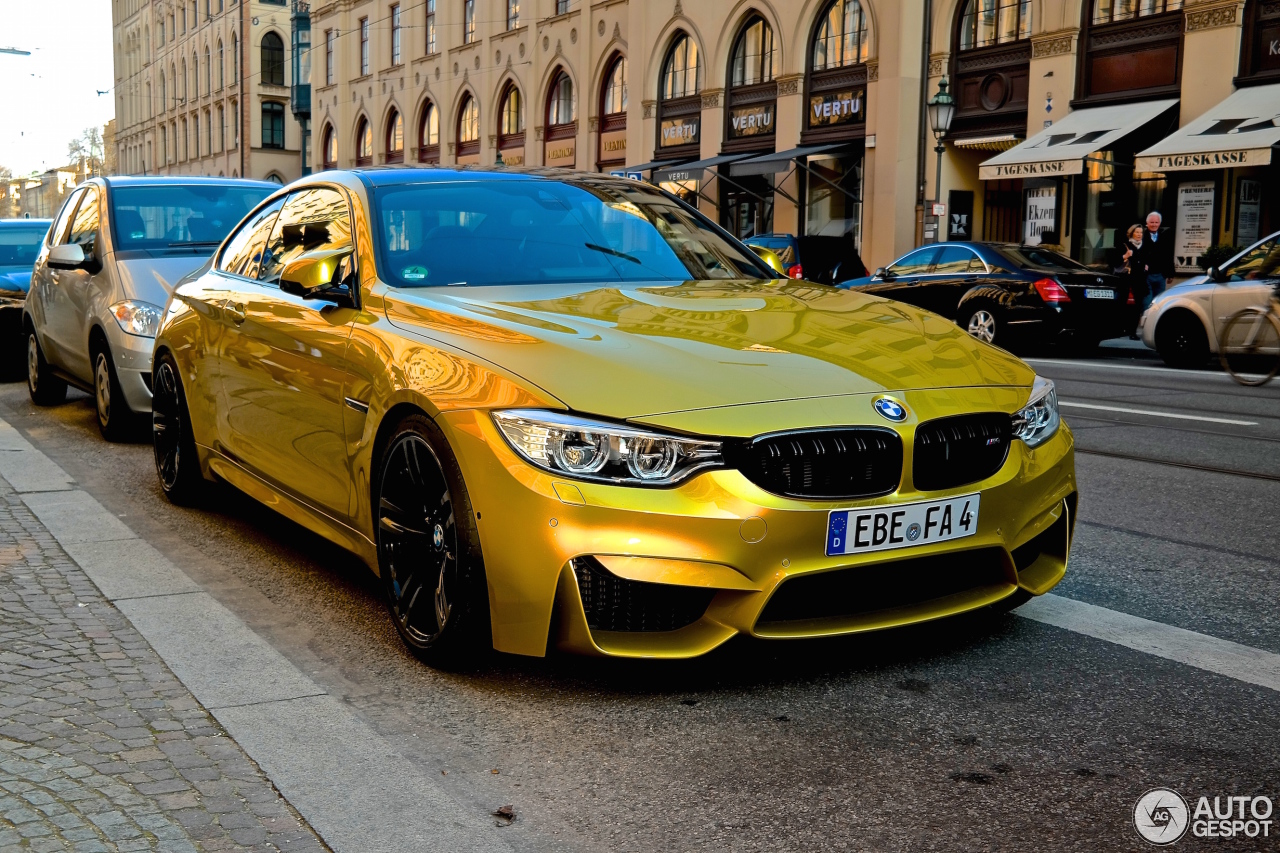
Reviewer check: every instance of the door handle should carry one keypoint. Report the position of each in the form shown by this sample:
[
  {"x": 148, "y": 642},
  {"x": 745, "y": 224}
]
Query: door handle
[{"x": 236, "y": 311}]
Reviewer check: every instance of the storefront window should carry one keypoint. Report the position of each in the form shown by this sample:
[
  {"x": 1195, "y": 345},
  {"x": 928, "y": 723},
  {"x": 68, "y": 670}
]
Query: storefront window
[
  {"x": 988, "y": 22},
  {"x": 835, "y": 199},
  {"x": 1099, "y": 234},
  {"x": 680, "y": 107}
]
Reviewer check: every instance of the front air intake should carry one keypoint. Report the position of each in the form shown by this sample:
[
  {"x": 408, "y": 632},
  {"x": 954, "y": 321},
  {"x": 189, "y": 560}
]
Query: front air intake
[
  {"x": 855, "y": 462},
  {"x": 612, "y": 603}
]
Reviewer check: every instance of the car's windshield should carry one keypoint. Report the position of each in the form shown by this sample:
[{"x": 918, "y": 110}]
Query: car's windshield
[
  {"x": 1262, "y": 261},
  {"x": 1033, "y": 257},
  {"x": 167, "y": 216},
  {"x": 535, "y": 231},
  {"x": 20, "y": 245}
]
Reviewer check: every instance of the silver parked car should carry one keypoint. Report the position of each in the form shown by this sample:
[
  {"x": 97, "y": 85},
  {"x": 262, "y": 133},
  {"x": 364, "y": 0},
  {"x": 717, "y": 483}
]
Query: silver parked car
[
  {"x": 104, "y": 274},
  {"x": 1184, "y": 324}
]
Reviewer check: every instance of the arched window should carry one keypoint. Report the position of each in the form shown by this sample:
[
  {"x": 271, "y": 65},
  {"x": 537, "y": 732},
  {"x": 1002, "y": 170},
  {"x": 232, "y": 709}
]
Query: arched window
[
  {"x": 395, "y": 137},
  {"x": 512, "y": 112},
  {"x": 680, "y": 71},
  {"x": 429, "y": 134},
  {"x": 221, "y": 66},
  {"x": 1107, "y": 11},
  {"x": 272, "y": 125},
  {"x": 615, "y": 88},
  {"x": 164, "y": 94},
  {"x": 272, "y": 60},
  {"x": 842, "y": 36},
  {"x": 754, "y": 54},
  {"x": 235, "y": 59},
  {"x": 329, "y": 148},
  {"x": 208, "y": 71},
  {"x": 560, "y": 104},
  {"x": 469, "y": 121},
  {"x": 988, "y": 22},
  {"x": 195, "y": 75},
  {"x": 364, "y": 142},
  {"x": 164, "y": 142},
  {"x": 184, "y": 80},
  {"x": 173, "y": 77}
]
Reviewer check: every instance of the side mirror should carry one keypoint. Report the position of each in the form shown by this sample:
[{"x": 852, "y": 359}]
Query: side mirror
[
  {"x": 311, "y": 275},
  {"x": 771, "y": 258},
  {"x": 883, "y": 273},
  {"x": 1214, "y": 274},
  {"x": 68, "y": 256}
]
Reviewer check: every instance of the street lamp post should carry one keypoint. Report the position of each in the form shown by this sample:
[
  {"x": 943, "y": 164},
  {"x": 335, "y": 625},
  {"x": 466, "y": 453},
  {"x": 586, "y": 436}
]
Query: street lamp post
[{"x": 942, "y": 109}]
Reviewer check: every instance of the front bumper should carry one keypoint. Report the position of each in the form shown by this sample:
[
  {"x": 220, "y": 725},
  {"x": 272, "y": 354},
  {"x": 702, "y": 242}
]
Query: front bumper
[
  {"x": 132, "y": 356},
  {"x": 720, "y": 542}
]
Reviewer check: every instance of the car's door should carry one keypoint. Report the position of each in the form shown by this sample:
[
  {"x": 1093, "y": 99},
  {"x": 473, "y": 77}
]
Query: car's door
[
  {"x": 954, "y": 271},
  {"x": 1245, "y": 283},
  {"x": 903, "y": 277},
  {"x": 283, "y": 368},
  {"x": 42, "y": 296}
]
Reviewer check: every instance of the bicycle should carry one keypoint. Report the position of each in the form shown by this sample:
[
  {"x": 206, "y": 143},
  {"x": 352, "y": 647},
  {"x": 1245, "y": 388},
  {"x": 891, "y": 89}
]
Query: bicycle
[{"x": 1250, "y": 344}]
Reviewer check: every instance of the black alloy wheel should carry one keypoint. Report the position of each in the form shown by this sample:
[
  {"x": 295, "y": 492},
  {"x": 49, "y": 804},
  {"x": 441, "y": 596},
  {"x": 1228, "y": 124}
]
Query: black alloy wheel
[
  {"x": 1181, "y": 340},
  {"x": 429, "y": 548},
  {"x": 114, "y": 417},
  {"x": 45, "y": 388},
  {"x": 177, "y": 464}
]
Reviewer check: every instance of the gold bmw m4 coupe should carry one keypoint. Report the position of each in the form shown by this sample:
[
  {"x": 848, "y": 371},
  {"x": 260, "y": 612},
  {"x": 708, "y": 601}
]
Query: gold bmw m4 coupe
[{"x": 555, "y": 409}]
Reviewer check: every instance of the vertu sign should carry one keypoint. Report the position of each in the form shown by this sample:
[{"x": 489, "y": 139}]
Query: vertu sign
[
  {"x": 680, "y": 131},
  {"x": 836, "y": 108},
  {"x": 754, "y": 120}
]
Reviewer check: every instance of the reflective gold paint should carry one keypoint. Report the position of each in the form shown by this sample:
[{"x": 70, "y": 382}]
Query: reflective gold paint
[{"x": 278, "y": 407}]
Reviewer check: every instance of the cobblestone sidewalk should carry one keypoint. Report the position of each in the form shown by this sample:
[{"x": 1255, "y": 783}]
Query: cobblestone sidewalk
[{"x": 101, "y": 747}]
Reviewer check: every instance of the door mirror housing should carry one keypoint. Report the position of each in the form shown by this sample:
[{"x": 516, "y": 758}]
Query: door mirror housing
[
  {"x": 885, "y": 274},
  {"x": 771, "y": 258},
  {"x": 1214, "y": 274},
  {"x": 311, "y": 275},
  {"x": 68, "y": 256}
]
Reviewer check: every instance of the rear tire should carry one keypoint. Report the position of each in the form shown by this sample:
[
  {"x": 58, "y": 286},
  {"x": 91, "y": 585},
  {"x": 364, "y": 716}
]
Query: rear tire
[
  {"x": 982, "y": 321},
  {"x": 177, "y": 462},
  {"x": 114, "y": 416},
  {"x": 429, "y": 548},
  {"x": 45, "y": 388},
  {"x": 1182, "y": 342}
]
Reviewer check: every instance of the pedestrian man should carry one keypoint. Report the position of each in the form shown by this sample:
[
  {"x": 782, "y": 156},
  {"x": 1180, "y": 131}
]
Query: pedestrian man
[{"x": 1156, "y": 255}]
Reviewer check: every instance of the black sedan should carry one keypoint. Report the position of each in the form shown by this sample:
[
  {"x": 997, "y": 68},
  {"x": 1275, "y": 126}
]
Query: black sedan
[{"x": 1004, "y": 293}]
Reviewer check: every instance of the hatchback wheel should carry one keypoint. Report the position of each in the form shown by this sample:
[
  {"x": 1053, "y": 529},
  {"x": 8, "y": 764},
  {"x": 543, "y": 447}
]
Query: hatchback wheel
[
  {"x": 429, "y": 548},
  {"x": 45, "y": 388},
  {"x": 177, "y": 464},
  {"x": 1181, "y": 341},
  {"x": 114, "y": 416},
  {"x": 980, "y": 321}
]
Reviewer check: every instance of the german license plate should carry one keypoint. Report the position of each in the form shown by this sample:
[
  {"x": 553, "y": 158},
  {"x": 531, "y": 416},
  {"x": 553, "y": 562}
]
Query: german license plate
[
  {"x": 1095, "y": 293},
  {"x": 859, "y": 531}
]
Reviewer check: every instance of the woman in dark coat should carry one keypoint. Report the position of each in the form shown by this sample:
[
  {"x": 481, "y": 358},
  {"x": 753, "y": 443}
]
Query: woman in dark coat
[{"x": 1133, "y": 271}]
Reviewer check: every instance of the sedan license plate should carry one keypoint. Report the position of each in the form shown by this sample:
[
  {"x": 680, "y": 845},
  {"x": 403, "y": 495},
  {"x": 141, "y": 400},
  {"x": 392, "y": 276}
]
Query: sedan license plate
[
  {"x": 1095, "y": 293},
  {"x": 859, "y": 531}
]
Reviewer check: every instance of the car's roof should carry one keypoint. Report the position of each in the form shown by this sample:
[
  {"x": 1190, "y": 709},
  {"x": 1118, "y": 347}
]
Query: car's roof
[
  {"x": 380, "y": 176},
  {"x": 181, "y": 181},
  {"x": 19, "y": 223}
]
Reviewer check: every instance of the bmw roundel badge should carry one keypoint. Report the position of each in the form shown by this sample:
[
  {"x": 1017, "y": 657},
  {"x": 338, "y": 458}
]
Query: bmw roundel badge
[{"x": 890, "y": 409}]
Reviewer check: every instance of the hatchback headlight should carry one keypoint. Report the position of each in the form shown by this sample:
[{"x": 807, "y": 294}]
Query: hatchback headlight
[
  {"x": 1037, "y": 421},
  {"x": 137, "y": 318},
  {"x": 597, "y": 450}
]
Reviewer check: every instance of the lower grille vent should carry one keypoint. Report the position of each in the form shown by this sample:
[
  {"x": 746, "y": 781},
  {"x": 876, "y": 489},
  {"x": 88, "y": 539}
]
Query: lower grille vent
[{"x": 617, "y": 604}]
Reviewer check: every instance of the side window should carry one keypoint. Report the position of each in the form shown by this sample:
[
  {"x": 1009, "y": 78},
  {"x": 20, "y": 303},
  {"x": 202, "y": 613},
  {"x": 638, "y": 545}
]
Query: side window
[
  {"x": 915, "y": 263},
  {"x": 1261, "y": 262},
  {"x": 313, "y": 220},
  {"x": 84, "y": 228},
  {"x": 58, "y": 233},
  {"x": 244, "y": 250},
  {"x": 955, "y": 259}
]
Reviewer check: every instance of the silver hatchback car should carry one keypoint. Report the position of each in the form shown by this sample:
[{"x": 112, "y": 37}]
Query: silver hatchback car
[{"x": 104, "y": 274}]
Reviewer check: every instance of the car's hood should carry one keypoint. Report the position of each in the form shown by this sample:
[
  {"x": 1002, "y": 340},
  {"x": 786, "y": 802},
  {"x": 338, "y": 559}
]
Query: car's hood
[
  {"x": 634, "y": 350},
  {"x": 153, "y": 279},
  {"x": 14, "y": 280}
]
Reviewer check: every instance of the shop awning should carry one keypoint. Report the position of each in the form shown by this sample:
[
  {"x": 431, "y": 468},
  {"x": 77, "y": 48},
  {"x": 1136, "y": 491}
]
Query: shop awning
[
  {"x": 651, "y": 165},
  {"x": 781, "y": 161},
  {"x": 1062, "y": 148},
  {"x": 1000, "y": 142},
  {"x": 694, "y": 171},
  {"x": 1240, "y": 131}
]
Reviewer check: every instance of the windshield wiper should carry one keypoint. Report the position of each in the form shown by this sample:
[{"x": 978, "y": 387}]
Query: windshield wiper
[
  {"x": 195, "y": 243},
  {"x": 595, "y": 248}
]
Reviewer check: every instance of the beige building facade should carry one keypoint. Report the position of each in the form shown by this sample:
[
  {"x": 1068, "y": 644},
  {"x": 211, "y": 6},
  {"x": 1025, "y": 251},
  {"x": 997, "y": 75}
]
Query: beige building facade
[
  {"x": 807, "y": 116},
  {"x": 203, "y": 88}
]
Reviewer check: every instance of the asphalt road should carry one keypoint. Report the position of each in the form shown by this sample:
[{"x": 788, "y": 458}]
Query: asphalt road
[{"x": 986, "y": 733}]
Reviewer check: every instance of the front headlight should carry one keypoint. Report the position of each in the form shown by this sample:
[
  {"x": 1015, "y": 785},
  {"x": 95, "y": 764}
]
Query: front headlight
[
  {"x": 137, "y": 318},
  {"x": 1037, "y": 421},
  {"x": 604, "y": 452}
]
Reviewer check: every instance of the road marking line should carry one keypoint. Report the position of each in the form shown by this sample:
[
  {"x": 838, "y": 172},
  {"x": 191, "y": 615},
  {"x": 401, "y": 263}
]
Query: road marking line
[
  {"x": 1105, "y": 366},
  {"x": 1155, "y": 414},
  {"x": 1243, "y": 663}
]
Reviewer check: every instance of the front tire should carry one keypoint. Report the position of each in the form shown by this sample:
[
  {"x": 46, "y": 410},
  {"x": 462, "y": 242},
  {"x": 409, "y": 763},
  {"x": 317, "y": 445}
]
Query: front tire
[
  {"x": 429, "y": 548},
  {"x": 45, "y": 388},
  {"x": 177, "y": 463},
  {"x": 1182, "y": 342},
  {"x": 114, "y": 417}
]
